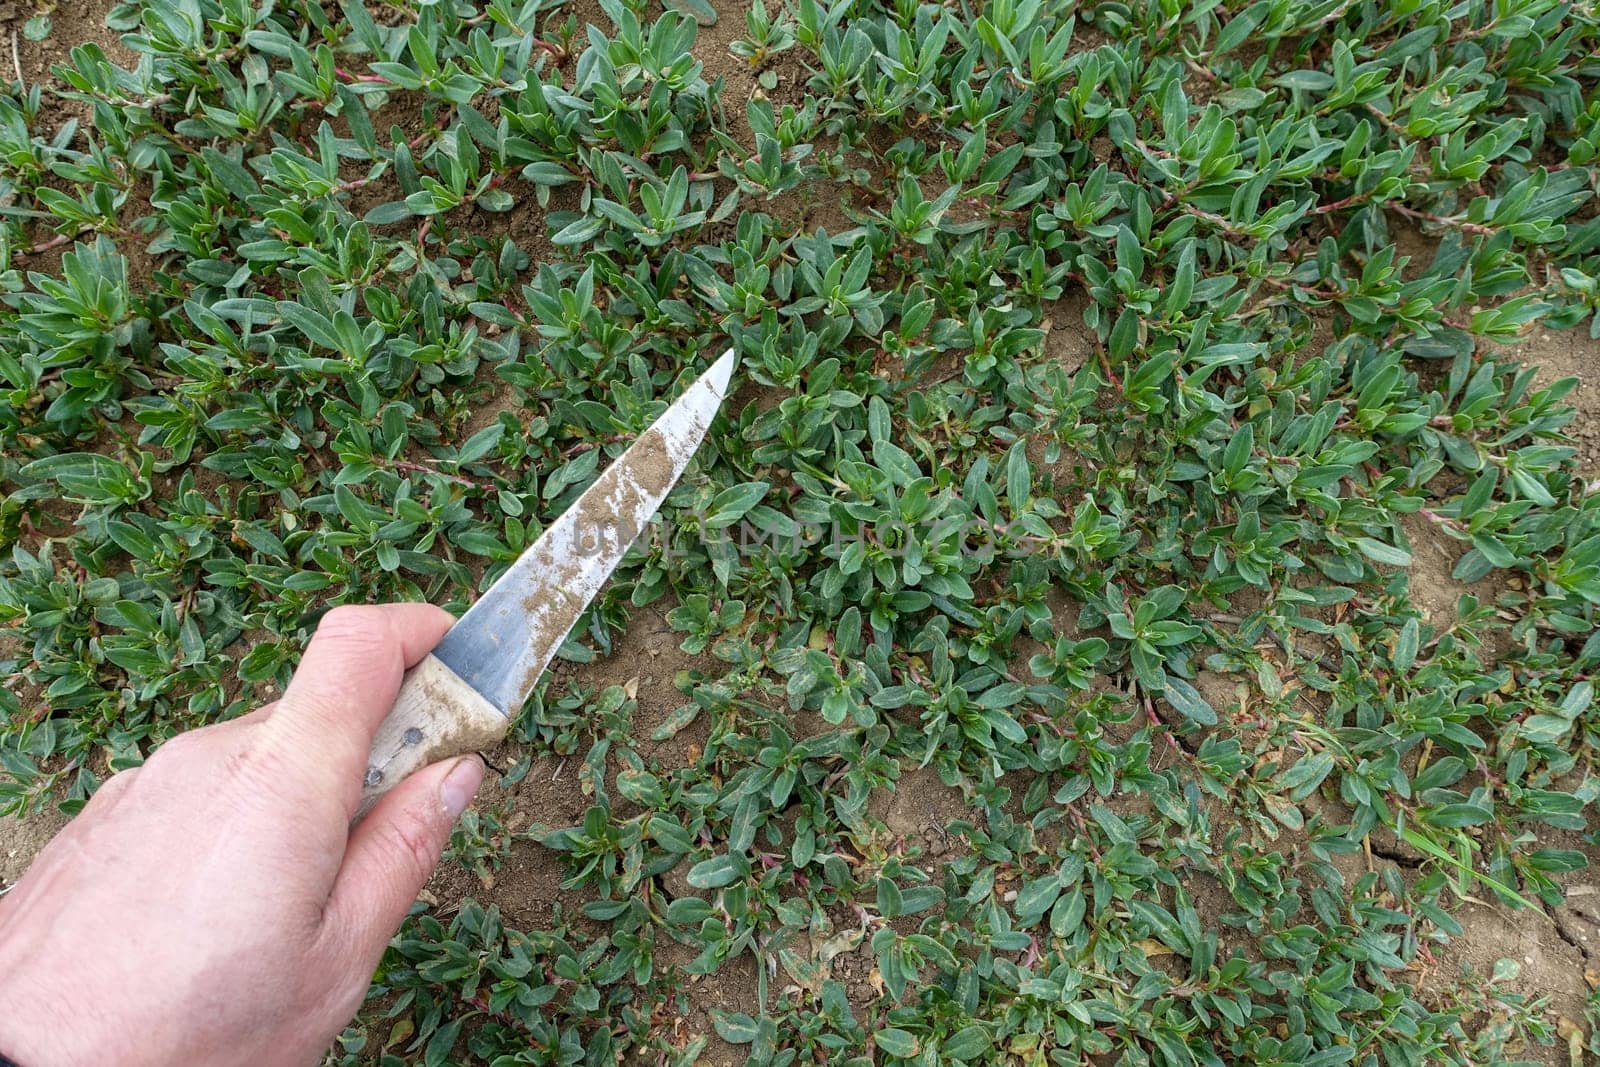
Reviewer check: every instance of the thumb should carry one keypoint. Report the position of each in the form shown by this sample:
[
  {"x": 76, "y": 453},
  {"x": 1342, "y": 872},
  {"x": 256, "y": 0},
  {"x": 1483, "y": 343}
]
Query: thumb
[{"x": 394, "y": 849}]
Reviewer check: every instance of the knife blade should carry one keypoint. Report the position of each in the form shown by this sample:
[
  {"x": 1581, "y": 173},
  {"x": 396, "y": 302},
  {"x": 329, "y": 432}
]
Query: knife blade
[{"x": 463, "y": 695}]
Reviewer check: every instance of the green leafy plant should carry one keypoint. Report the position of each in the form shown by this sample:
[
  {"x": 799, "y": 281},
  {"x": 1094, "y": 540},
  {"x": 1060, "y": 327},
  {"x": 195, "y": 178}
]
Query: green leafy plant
[{"x": 1134, "y": 596}]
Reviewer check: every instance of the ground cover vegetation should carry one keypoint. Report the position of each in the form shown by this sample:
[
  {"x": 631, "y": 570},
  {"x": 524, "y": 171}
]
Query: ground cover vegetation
[{"x": 1047, "y": 667}]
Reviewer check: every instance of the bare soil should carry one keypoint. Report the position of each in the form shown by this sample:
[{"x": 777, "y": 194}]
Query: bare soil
[
  {"x": 648, "y": 663},
  {"x": 1571, "y": 354},
  {"x": 30, "y": 61},
  {"x": 22, "y": 838},
  {"x": 71, "y": 25},
  {"x": 1556, "y": 959},
  {"x": 1546, "y": 965}
]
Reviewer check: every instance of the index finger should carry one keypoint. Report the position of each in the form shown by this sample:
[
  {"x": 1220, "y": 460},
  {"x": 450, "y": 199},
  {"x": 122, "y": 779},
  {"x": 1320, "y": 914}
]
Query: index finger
[{"x": 348, "y": 679}]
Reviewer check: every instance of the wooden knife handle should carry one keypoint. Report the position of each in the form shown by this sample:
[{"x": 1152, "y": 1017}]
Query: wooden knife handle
[{"x": 436, "y": 716}]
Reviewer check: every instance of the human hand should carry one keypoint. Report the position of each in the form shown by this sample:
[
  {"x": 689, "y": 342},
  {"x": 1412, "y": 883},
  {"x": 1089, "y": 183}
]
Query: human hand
[{"x": 214, "y": 906}]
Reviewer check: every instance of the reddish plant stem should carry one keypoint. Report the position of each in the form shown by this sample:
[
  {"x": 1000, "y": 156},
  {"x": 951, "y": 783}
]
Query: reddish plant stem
[
  {"x": 406, "y": 465},
  {"x": 370, "y": 79},
  {"x": 1442, "y": 220}
]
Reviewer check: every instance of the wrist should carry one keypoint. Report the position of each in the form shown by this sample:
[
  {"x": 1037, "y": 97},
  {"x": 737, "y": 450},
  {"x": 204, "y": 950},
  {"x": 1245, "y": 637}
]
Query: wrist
[
  {"x": 25, "y": 1041},
  {"x": 39, "y": 1030},
  {"x": 33, "y": 1040}
]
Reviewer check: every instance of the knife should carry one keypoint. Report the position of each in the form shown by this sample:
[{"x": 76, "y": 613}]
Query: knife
[{"x": 464, "y": 694}]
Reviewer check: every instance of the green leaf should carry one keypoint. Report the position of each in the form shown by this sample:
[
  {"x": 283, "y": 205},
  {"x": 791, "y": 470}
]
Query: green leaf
[
  {"x": 716, "y": 872},
  {"x": 1035, "y": 898},
  {"x": 1188, "y": 701},
  {"x": 735, "y": 1027},
  {"x": 1379, "y": 552},
  {"x": 1310, "y": 80},
  {"x": 1405, "y": 648},
  {"x": 88, "y": 477},
  {"x": 481, "y": 443},
  {"x": 1425, "y": 844},
  {"x": 1451, "y": 816},
  {"x": 896, "y": 1042},
  {"x": 699, "y": 10},
  {"x": 316, "y": 326},
  {"x": 731, "y": 505},
  {"x": 437, "y": 1051},
  {"x": 968, "y": 1043},
  {"x": 384, "y": 214}
]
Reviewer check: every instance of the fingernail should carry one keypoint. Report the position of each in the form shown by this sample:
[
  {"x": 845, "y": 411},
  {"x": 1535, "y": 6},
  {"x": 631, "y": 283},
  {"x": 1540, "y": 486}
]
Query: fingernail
[{"x": 461, "y": 785}]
